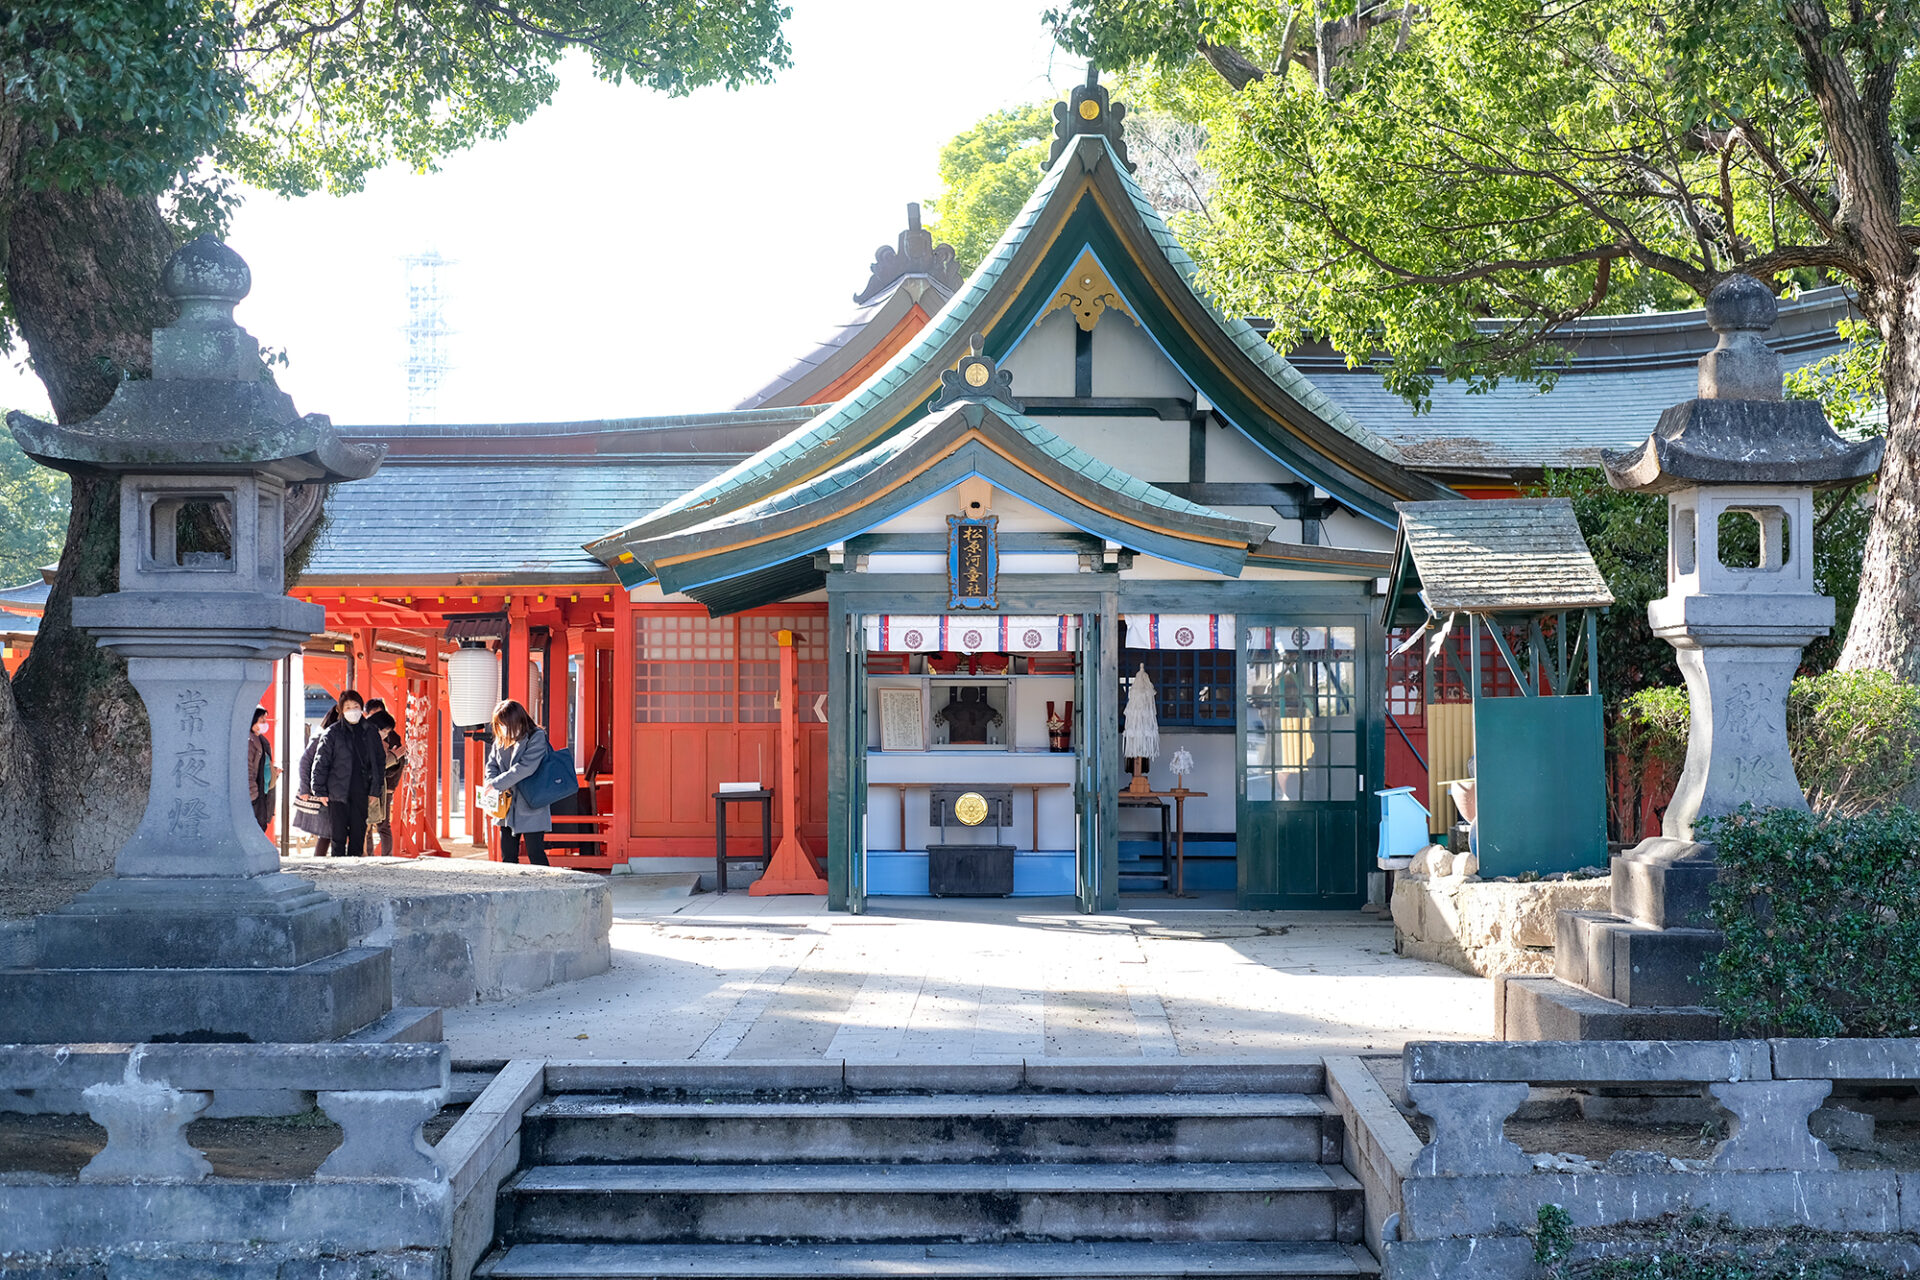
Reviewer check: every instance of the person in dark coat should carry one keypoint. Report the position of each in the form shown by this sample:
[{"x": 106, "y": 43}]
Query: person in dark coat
[
  {"x": 261, "y": 771},
  {"x": 519, "y": 745},
  {"x": 313, "y": 820},
  {"x": 347, "y": 769}
]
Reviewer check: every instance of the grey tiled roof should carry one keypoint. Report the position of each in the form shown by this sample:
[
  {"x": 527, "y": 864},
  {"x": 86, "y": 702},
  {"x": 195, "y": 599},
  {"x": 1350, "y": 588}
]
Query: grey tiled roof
[
  {"x": 1520, "y": 555},
  {"x": 1515, "y": 426},
  {"x": 479, "y": 520},
  {"x": 28, "y": 597}
]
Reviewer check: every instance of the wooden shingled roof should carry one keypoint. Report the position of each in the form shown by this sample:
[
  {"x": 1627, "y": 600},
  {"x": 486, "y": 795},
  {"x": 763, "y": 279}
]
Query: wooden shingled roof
[{"x": 1521, "y": 555}]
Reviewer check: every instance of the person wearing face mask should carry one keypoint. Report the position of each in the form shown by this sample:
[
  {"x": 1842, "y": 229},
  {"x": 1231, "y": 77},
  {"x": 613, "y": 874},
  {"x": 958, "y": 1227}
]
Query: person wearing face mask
[
  {"x": 262, "y": 773},
  {"x": 346, "y": 769}
]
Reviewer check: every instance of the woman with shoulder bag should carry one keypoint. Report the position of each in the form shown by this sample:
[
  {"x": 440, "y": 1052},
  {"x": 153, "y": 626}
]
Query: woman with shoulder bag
[{"x": 519, "y": 747}]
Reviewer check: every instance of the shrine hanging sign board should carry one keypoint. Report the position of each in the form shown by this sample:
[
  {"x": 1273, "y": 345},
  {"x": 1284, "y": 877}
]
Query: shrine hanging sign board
[{"x": 973, "y": 562}]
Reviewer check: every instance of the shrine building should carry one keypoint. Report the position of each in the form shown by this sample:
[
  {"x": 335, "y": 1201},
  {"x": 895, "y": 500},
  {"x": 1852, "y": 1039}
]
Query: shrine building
[{"x": 943, "y": 545}]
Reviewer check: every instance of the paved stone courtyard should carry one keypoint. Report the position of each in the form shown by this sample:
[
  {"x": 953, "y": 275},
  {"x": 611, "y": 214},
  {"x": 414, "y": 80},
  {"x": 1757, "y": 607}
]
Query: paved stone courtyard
[{"x": 731, "y": 976}]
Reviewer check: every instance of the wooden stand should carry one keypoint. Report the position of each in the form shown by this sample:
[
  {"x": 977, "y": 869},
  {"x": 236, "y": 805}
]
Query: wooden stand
[
  {"x": 792, "y": 869},
  {"x": 1179, "y": 796}
]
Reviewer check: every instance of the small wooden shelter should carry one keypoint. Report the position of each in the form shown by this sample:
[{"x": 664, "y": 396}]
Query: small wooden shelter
[{"x": 1518, "y": 577}]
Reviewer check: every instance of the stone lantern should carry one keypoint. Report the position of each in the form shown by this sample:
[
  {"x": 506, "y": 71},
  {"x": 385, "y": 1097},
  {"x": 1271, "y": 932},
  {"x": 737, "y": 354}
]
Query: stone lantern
[
  {"x": 1740, "y": 451},
  {"x": 198, "y": 932}
]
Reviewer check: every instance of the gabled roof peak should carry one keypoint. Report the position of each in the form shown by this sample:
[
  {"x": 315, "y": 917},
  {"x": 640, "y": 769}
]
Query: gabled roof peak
[
  {"x": 913, "y": 254},
  {"x": 1089, "y": 110}
]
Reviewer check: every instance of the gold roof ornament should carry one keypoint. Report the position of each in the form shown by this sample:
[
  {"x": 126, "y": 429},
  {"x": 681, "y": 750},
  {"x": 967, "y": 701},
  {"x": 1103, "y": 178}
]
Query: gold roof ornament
[{"x": 1089, "y": 294}]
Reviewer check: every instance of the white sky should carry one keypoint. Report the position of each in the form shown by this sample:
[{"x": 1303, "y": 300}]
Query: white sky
[{"x": 623, "y": 253}]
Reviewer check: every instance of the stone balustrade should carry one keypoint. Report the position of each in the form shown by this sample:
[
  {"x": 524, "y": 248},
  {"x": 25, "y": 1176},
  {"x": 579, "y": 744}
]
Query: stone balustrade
[
  {"x": 144, "y": 1096},
  {"x": 1768, "y": 1088}
]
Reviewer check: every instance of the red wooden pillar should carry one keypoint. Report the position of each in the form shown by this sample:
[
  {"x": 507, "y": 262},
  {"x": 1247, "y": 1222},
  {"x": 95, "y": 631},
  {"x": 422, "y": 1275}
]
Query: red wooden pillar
[
  {"x": 561, "y": 708},
  {"x": 442, "y": 799},
  {"x": 360, "y": 661},
  {"x": 518, "y": 659},
  {"x": 475, "y": 831},
  {"x": 624, "y": 657},
  {"x": 792, "y": 869}
]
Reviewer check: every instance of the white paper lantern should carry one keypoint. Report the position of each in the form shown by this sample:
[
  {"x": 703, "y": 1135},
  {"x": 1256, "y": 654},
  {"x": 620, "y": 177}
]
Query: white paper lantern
[{"x": 473, "y": 685}]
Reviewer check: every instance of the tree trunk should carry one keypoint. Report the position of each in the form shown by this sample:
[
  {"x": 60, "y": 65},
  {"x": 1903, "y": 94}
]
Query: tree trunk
[
  {"x": 83, "y": 272},
  {"x": 1885, "y": 633}
]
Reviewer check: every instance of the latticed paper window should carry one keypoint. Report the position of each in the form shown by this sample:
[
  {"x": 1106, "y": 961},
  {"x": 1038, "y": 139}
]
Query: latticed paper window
[
  {"x": 684, "y": 670},
  {"x": 760, "y": 665},
  {"x": 1193, "y": 688},
  {"x": 1406, "y": 677}
]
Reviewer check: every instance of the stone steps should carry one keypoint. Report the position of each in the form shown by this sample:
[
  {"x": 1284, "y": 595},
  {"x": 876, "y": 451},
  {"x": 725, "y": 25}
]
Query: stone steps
[
  {"x": 1080, "y": 1261},
  {"x": 950, "y": 1202},
  {"x": 1091, "y": 1170},
  {"x": 955, "y": 1128}
]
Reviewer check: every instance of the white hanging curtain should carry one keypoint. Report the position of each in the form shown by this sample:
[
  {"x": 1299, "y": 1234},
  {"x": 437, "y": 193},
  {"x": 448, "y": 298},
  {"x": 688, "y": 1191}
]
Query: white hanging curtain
[
  {"x": 971, "y": 633},
  {"x": 1179, "y": 630}
]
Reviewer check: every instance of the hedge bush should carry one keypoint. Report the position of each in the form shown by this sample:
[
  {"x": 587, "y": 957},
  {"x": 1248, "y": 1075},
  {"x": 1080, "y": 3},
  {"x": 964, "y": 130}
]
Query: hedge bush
[
  {"x": 1822, "y": 931},
  {"x": 1852, "y": 734}
]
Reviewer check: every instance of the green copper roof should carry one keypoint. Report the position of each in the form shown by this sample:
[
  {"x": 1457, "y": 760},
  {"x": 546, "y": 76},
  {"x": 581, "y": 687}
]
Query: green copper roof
[
  {"x": 1068, "y": 456},
  {"x": 911, "y": 365},
  {"x": 906, "y": 364}
]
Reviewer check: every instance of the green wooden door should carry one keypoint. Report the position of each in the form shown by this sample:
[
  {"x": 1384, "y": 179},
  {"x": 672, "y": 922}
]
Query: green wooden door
[{"x": 1304, "y": 751}]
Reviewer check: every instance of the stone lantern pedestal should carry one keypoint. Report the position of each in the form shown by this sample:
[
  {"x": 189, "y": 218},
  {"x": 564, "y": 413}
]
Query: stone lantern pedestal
[
  {"x": 1738, "y": 454},
  {"x": 198, "y": 934}
]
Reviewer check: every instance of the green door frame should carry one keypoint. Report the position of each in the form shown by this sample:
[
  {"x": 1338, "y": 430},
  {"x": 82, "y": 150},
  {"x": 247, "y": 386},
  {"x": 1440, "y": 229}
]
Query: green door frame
[
  {"x": 851, "y": 597},
  {"x": 1263, "y": 825}
]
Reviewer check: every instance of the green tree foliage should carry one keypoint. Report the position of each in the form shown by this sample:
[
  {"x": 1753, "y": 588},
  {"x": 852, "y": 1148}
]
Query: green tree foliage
[
  {"x": 987, "y": 173},
  {"x": 1443, "y": 163},
  {"x": 178, "y": 97},
  {"x": 1853, "y": 735},
  {"x": 33, "y": 514}
]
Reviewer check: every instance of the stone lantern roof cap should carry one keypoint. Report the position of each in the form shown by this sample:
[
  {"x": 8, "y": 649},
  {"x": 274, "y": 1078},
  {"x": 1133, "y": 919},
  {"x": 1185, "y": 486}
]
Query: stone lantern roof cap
[
  {"x": 210, "y": 407},
  {"x": 1741, "y": 429}
]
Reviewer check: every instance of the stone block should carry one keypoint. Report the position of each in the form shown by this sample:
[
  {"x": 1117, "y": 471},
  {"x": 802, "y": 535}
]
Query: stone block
[
  {"x": 686, "y": 1076},
  {"x": 320, "y": 1001},
  {"x": 1530, "y": 1008},
  {"x": 1599, "y": 1062},
  {"x": 144, "y": 1121},
  {"x": 936, "y": 1077},
  {"x": 1665, "y": 883},
  {"x": 1768, "y": 1129},
  {"x": 1174, "y": 1075},
  {"x": 1846, "y": 1059},
  {"x": 273, "y": 921},
  {"x": 380, "y": 1134},
  {"x": 1575, "y": 960},
  {"x": 1661, "y": 967},
  {"x": 340, "y": 1217},
  {"x": 1486, "y": 927},
  {"x": 1866, "y": 1201},
  {"x": 1840, "y": 1127},
  {"x": 1468, "y": 1129}
]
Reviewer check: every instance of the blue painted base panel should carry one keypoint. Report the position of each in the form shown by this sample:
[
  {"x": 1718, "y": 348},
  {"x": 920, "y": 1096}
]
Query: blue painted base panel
[
  {"x": 1210, "y": 865},
  {"x": 894, "y": 874}
]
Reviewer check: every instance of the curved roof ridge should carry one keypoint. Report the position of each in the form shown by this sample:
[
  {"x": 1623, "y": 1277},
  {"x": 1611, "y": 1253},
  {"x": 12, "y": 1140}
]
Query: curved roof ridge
[{"x": 908, "y": 361}]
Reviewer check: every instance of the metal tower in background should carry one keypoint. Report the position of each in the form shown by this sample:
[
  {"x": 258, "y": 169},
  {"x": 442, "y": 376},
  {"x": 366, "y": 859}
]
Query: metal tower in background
[{"x": 428, "y": 358}]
